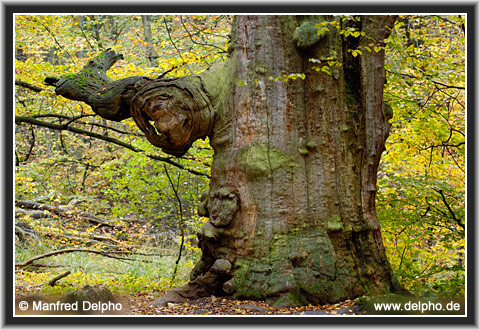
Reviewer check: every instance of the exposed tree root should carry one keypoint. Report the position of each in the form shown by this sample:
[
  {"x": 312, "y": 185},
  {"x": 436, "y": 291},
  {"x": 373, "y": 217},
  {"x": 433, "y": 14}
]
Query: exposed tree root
[{"x": 210, "y": 283}]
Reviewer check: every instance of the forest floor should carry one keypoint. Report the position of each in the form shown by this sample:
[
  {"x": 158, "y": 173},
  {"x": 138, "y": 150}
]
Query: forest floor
[{"x": 138, "y": 305}]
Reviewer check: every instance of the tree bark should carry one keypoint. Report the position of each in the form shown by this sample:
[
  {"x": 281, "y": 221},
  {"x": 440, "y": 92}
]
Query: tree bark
[
  {"x": 150, "y": 53},
  {"x": 292, "y": 194}
]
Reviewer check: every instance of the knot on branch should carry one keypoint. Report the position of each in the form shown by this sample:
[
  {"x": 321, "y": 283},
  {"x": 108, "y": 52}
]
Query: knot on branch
[
  {"x": 173, "y": 113},
  {"x": 223, "y": 206},
  {"x": 180, "y": 109}
]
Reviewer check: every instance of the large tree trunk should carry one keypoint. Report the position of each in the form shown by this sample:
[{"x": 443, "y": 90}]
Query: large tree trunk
[{"x": 292, "y": 195}]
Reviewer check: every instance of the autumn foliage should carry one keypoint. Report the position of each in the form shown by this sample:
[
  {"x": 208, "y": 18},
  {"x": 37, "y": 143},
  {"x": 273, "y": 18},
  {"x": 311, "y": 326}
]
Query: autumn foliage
[{"x": 63, "y": 152}]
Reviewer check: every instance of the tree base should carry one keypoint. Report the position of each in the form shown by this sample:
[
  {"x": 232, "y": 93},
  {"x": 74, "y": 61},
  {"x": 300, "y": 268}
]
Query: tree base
[
  {"x": 210, "y": 283},
  {"x": 308, "y": 267},
  {"x": 176, "y": 296},
  {"x": 218, "y": 285},
  {"x": 195, "y": 290}
]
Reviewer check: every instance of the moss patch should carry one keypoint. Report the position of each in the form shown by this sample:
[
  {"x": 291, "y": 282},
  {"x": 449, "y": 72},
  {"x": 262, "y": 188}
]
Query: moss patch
[
  {"x": 306, "y": 35},
  {"x": 261, "y": 68},
  {"x": 67, "y": 76},
  {"x": 334, "y": 223},
  {"x": 298, "y": 268},
  {"x": 259, "y": 160}
]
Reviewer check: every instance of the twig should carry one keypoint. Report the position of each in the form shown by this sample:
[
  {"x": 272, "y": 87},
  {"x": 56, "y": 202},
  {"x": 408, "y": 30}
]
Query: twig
[
  {"x": 221, "y": 50},
  {"x": 453, "y": 216},
  {"x": 51, "y": 282},
  {"x": 57, "y": 252},
  {"x": 56, "y": 278},
  {"x": 421, "y": 217},
  {"x": 60, "y": 127},
  {"x": 85, "y": 36},
  {"x": 136, "y": 253},
  {"x": 58, "y": 43},
  {"x": 447, "y": 86},
  {"x": 403, "y": 255},
  {"x": 46, "y": 265},
  {"x": 76, "y": 118},
  {"x": 175, "y": 46},
  {"x": 181, "y": 223},
  {"x": 94, "y": 239},
  {"x": 166, "y": 72},
  {"x": 428, "y": 76},
  {"x": 56, "y": 115}
]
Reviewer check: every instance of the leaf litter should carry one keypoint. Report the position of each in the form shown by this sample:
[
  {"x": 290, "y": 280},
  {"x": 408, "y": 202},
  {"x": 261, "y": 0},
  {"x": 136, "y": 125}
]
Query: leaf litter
[{"x": 138, "y": 305}]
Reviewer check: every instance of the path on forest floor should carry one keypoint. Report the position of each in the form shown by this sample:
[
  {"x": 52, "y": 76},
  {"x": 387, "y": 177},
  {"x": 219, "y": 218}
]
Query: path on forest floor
[{"x": 138, "y": 305}]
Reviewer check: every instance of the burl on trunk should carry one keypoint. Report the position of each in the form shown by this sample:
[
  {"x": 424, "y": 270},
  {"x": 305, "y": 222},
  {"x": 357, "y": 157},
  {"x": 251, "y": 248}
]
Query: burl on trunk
[{"x": 291, "y": 204}]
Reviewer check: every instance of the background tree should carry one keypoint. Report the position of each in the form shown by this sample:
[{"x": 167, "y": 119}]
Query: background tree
[{"x": 150, "y": 52}]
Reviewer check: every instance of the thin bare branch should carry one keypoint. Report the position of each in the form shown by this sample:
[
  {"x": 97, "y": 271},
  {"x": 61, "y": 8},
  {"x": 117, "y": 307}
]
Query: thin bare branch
[
  {"x": 62, "y": 127},
  {"x": 57, "y": 252},
  {"x": 56, "y": 278},
  {"x": 181, "y": 222},
  {"x": 452, "y": 213}
]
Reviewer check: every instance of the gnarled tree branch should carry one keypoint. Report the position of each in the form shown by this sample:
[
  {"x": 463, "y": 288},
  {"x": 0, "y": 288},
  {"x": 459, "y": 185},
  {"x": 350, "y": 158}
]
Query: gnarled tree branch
[
  {"x": 108, "y": 99},
  {"x": 180, "y": 108}
]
